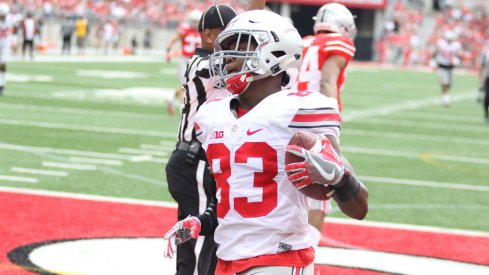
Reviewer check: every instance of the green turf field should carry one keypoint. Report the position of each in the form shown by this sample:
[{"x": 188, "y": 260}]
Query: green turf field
[{"x": 102, "y": 128}]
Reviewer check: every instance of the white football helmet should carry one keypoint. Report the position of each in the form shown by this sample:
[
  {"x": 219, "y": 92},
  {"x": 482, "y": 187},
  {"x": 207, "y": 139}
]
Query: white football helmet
[
  {"x": 194, "y": 18},
  {"x": 4, "y": 9},
  {"x": 278, "y": 49},
  {"x": 450, "y": 35},
  {"x": 337, "y": 18}
]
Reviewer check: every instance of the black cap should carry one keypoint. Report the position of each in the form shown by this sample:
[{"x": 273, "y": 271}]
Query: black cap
[{"x": 216, "y": 16}]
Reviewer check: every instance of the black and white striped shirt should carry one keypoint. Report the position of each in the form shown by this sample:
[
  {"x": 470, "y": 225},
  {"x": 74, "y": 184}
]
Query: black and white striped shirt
[{"x": 198, "y": 88}]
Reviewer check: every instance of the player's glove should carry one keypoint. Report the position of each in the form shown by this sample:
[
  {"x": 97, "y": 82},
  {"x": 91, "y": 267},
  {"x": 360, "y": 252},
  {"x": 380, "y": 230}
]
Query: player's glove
[
  {"x": 182, "y": 231},
  {"x": 324, "y": 167}
]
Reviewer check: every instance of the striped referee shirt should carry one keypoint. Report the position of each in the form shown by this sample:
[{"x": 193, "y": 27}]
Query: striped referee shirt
[{"x": 198, "y": 88}]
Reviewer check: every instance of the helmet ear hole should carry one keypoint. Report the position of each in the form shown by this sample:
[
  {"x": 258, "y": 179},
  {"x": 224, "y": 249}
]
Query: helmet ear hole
[{"x": 278, "y": 54}]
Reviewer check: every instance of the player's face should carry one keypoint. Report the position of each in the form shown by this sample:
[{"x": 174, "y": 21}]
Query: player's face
[{"x": 234, "y": 64}]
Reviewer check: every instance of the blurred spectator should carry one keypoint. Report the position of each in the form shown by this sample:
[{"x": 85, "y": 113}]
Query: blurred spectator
[
  {"x": 148, "y": 39},
  {"x": 67, "y": 29},
  {"x": 29, "y": 30},
  {"x": 108, "y": 36},
  {"x": 81, "y": 32},
  {"x": 134, "y": 45}
]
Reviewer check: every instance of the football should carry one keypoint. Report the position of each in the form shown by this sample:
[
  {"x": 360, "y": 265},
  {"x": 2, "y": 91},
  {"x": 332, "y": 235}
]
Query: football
[{"x": 309, "y": 141}]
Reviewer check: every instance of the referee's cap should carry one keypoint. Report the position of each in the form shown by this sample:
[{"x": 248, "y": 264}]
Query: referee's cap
[{"x": 216, "y": 16}]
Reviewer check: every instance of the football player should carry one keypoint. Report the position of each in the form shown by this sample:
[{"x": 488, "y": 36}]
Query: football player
[
  {"x": 261, "y": 222},
  {"x": 189, "y": 37},
  {"x": 6, "y": 25},
  {"x": 325, "y": 59},
  {"x": 446, "y": 55}
]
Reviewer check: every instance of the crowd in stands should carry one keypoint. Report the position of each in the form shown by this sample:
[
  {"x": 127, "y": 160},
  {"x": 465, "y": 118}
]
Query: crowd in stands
[
  {"x": 162, "y": 13},
  {"x": 400, "y": 42}
]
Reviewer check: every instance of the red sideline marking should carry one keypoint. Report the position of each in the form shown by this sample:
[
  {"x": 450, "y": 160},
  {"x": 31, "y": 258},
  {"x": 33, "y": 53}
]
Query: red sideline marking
[
  {"x": 438, "y": 245},
  {"x": 26, "y": 219}
]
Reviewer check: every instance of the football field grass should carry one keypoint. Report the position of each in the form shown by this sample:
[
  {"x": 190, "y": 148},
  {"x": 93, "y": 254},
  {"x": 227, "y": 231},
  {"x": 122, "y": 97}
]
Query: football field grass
[{"x": 103, "y": 129}]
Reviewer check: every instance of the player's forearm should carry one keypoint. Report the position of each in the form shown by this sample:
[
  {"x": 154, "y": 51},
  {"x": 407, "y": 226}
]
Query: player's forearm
[
  {"x": 172, "y": 41},
  {"x": 352, "y": 197},
  {"x": 329, "y": 89},
  {"x": 208, "y": 220}
]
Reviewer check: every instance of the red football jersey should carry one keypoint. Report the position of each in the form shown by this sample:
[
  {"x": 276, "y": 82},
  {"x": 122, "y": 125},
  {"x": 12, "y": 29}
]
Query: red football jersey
[
  {"x": 317, "y": 49},
  {"x": 190, "y": 39}
]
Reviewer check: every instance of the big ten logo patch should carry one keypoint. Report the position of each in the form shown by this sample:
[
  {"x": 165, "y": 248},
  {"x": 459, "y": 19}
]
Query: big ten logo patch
[{"x": 217, "y": 134}]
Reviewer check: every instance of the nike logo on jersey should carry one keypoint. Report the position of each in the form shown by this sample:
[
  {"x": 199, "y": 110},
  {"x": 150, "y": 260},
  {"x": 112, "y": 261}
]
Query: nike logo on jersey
[{"x": 249, "y": 132}]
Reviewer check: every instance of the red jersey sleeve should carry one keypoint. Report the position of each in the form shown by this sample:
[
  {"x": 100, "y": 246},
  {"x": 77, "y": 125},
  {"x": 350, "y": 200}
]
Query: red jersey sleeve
[{"x": 338, "y": 44}]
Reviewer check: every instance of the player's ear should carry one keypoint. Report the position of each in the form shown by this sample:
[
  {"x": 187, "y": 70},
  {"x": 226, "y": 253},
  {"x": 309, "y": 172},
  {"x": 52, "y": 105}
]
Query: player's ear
[{"x": 207, "y": 36}]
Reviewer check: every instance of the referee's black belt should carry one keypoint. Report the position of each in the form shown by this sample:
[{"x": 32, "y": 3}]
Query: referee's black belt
[{"x": 183, "y": 145}]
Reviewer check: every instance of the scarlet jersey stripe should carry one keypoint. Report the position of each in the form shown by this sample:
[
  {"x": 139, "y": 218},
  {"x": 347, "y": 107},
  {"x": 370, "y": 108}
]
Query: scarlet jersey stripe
[
  {"x": 341, "y": 43},
  {"x": 198, "y": 130},
  {"x": 339, "y": 49},
  {"x": 310, "y": 118}
]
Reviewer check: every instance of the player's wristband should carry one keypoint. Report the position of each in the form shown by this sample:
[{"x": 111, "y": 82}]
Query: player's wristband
[{"x": 347, "y": 188}]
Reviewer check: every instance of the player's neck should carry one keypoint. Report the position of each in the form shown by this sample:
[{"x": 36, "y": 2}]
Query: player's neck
[{"x": 258, "y": 91}]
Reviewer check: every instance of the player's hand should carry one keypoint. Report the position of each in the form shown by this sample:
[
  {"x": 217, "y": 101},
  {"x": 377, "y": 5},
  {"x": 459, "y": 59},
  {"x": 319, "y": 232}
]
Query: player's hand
[
  {"x": 168, "y": 56},
  {"x": 324, "y": 167},
  {"x": 184, "y": 230}
]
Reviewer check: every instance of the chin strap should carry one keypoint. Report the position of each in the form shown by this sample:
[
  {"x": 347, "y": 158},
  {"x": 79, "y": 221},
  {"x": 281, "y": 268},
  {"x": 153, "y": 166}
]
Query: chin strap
[{"x": 239, "y": 83}]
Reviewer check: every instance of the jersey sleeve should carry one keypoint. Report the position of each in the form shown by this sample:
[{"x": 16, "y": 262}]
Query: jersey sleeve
[
  {"x": 339, "y": 45},
  {"x": 318, "y": 114},
  {"x": 183, "y": 29}
]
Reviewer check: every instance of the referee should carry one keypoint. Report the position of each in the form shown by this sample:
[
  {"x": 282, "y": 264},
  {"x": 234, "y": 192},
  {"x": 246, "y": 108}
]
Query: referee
[{"x": 187, "y": 171}]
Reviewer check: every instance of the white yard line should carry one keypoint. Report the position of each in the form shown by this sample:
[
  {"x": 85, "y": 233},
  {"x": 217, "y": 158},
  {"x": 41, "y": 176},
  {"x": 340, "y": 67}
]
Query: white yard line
[
  {"x": 39, "y": 172},
  {"x": 171, "y": 144},
  {"x": 96, "y": 161},
  {"x": 399, "y": 135},
  {"x": 155, "y": 147},
  {"x": 402, "y": 106},
  {"x": 414, "y": 155},
  {"x": 107, "y": 130},
  {"x": 441, "y": 117},
  {"x": 69, "y": 166},
  {"x": 424, "y": 183},
  {"x": 482, "y": 128},
  {"x": 142, "y": 152},
  {"x": 81, "y": 111},
  {"x": 32, "y": 149},
  {"x": 18, "y": 179}
]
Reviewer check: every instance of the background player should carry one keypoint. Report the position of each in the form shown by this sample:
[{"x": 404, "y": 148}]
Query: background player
[
  {"x": 6, "y": 25},
  {"x": 262, "y": 219},
  {"x": 446, "y": 55},
  {"x": 325, "y": 59}
]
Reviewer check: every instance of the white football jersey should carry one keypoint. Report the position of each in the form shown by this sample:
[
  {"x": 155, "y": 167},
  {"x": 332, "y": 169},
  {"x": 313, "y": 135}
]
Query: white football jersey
[
  {"x": 447, "y": 52},
  {"x": 260, "y": 212}
]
